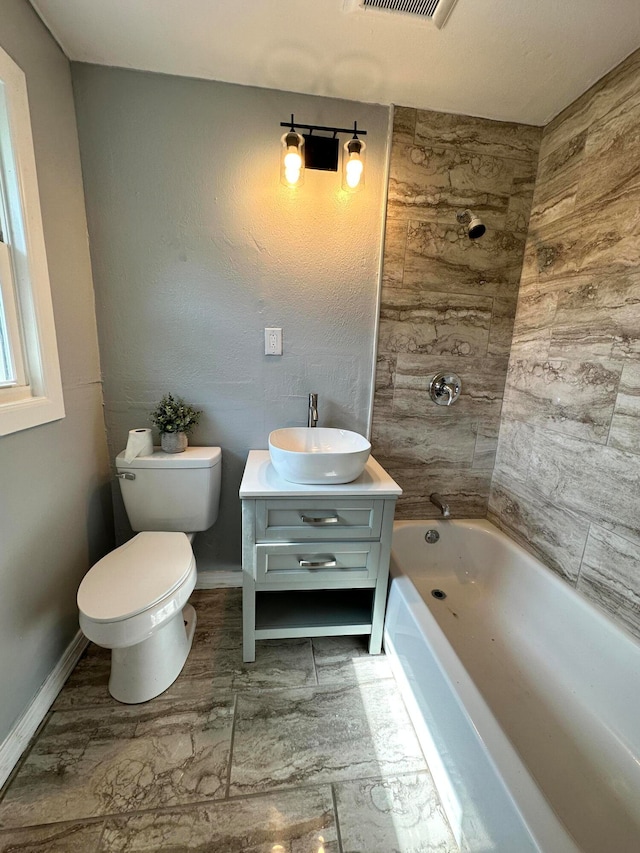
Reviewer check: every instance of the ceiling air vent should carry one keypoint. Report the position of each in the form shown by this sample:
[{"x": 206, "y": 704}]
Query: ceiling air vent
[{"x": 430, "y": 10}]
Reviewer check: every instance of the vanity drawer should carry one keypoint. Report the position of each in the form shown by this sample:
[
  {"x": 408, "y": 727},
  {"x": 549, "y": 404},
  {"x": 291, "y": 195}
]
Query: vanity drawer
[
  {"x": 313, "y": 561},
  {"x": 318, "y": 519}
]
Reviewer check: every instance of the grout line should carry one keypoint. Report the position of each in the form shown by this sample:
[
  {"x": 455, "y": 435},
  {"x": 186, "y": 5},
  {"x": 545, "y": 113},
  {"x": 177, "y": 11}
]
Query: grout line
[
  {"x": 586, "y": 541},
  {"x": 231, "y": 742},
  {"x": 337, "y": 820},
  {"x": 313, "y": 658}
]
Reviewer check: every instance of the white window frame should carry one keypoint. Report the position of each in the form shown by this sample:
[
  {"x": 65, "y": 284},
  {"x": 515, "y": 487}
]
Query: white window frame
[{"x": 34, "y": 396}]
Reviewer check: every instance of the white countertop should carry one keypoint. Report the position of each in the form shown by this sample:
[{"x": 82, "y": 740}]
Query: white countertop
[{"x": 260, "y": 480}]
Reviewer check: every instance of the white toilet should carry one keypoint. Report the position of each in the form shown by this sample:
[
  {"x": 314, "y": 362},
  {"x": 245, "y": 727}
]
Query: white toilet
[{"x": 134, "y": 600}]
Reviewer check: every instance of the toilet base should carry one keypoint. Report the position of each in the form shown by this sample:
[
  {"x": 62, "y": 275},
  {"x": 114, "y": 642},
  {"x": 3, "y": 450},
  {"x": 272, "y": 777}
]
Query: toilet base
[{"x": 147, "y": 669}]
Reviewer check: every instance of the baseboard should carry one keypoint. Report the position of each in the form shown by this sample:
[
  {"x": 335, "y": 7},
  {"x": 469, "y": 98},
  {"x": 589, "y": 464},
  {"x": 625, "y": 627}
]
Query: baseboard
[
  {"x": 218, "y": 580},
  {"x": 26, "y": 726}
]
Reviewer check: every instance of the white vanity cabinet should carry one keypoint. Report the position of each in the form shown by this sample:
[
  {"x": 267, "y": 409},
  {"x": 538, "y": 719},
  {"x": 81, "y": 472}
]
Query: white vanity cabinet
[{"x": 315, "y": 559}]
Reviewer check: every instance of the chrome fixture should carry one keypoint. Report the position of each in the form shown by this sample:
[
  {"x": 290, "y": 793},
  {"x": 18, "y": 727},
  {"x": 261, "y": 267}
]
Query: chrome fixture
[
  {"x": 431, "y": 537},
  {"x": 312, "y": 420},
  {"x": 444, "y": 388},
  {"x": 311, "y": 151},
  {"x": 475, "y": 226},
  {"x": 436, "y": 499}
]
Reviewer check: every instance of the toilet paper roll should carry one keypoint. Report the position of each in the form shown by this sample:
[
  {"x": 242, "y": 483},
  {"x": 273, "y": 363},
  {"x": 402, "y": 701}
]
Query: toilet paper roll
[{"x": 139, "y": 443}]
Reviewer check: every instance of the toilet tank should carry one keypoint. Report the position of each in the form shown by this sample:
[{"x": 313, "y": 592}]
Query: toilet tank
[{"x": 172, "y": 491}]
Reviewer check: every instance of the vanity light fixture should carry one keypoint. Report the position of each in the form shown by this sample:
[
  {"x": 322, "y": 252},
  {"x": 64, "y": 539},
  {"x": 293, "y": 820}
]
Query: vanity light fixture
[{"x": 316, "y": 151}]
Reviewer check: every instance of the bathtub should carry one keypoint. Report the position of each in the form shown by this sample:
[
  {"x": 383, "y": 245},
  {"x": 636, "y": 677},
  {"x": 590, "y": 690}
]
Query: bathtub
[{"x": 526, "y": 698}]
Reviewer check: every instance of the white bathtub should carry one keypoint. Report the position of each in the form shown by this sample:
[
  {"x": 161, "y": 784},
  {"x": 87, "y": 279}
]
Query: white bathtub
[{"x": 526, "y": 697}]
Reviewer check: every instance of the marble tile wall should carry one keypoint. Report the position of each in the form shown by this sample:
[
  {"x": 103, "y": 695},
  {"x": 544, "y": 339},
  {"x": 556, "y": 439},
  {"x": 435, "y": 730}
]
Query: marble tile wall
[
  {"x": 567, "y": 474},
  {"x": 448, "y": 302}
]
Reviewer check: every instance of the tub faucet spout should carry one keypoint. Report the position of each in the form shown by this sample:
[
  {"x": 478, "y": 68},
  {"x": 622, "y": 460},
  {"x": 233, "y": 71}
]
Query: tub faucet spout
[
  {"x": 436, "y": 499},
  {"x": 312, "y": 420}
]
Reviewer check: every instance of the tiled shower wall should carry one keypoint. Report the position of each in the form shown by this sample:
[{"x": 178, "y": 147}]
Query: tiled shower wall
[
  {"x": 448, "y": 302},
  {"x": 567, "y": 475}
]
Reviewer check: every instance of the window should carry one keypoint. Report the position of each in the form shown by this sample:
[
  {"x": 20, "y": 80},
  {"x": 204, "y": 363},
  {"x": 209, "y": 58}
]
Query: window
[{"x": 30, "y": 385}]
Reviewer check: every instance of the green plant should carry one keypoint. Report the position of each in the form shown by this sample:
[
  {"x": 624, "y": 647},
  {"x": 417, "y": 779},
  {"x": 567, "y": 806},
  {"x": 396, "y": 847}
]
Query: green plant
[{"x": 172, "y": 414}]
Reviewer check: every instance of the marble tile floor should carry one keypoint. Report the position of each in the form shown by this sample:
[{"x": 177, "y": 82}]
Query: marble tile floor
[{"x": 307, "y": 750}]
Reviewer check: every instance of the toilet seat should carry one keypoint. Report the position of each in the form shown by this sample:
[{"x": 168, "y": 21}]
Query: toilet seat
[{"x": 136, "y": 576}]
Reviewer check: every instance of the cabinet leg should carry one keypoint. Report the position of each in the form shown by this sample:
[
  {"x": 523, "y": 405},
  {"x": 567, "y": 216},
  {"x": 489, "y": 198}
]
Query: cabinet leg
[{"x": 248, "y": 619}]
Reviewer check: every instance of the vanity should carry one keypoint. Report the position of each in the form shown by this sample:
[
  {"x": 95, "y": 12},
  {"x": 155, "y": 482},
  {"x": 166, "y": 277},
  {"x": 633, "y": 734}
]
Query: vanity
[{"x": 315, "y": 558}]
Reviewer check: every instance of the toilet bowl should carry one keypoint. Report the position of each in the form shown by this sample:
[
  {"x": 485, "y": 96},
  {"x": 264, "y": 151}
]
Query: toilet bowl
[{"x": 134, "y": 601}]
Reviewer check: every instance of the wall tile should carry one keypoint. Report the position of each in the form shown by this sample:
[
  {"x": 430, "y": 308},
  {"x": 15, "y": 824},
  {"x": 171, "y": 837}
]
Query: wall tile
[
  {"x": 497, "y": 138},
  {"x": 407, "y": 441},
  {"x": 515, "y": 444},
  {"x": 609, "y": 576},
  {"x": 557, "y": 182},
  {"x": 625, "y": 424},
  {"x": 443, "y": 257},
  {"x": 434, "y": 183},
  {"x": 617, "y": 87},
  {"x": 591, "y": 479},
  {"x": 597, "y": 317},
  {"x": 502, "y": 320},
  {"x": 404, "y": 124},
  {"x": 395, "y": 244},
  {"x": 466, "y": 491},
  {"x": 576, "y": 398},
  {"x": 555, "y": 535},
  {"x": 484, "y": 454},
  {"x": 482, "y": 386},
  {"x": 611, "y": 167},
  {"x": 436, "y": 323}
]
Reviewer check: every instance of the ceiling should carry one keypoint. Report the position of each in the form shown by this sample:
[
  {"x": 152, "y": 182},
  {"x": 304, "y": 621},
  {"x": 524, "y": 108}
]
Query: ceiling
[{"x": 503, "y": 59}]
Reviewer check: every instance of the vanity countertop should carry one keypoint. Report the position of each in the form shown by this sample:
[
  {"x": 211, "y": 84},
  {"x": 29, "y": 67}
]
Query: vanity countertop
[{"x": 260, "y": 480}]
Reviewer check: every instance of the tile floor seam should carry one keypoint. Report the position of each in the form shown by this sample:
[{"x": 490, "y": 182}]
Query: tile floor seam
[
  {"x": 231, "y": 738},
  {"x": 177, "y": 807},
  {"x": 315, "y": 666},
  {"x": 337, "y": 819}
]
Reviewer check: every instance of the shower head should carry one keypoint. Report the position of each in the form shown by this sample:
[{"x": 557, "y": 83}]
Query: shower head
[{"x": 475, "y": 226}]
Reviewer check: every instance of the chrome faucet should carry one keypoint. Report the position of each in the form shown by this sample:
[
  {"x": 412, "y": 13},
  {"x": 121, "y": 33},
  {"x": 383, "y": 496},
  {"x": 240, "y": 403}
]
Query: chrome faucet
[
  {"x": 436, "y": 499},
  {"x": 313, "y": 410}
]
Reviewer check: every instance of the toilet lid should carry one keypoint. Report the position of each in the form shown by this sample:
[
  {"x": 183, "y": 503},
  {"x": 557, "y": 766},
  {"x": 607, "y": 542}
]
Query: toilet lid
[{"x": 135, "y": 576}]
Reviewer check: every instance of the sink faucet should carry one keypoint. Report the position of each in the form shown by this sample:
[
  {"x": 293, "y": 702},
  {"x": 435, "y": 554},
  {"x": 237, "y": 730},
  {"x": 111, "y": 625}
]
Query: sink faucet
[
  {"x": 313, "y": 410},
  {"x": 436, "y": 499}
]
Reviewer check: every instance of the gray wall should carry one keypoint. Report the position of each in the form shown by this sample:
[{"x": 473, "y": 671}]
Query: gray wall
[
  {"x": 448, "y": 302},
  {"x": 55, "y": 517},
  {"x": 567, "y": 476},
  {"x": 196, "y": 247}
]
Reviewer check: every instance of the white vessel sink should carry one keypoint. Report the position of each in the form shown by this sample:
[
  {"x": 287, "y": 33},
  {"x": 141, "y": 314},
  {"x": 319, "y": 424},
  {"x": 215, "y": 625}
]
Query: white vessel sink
[{"x": 318, "y": 455}]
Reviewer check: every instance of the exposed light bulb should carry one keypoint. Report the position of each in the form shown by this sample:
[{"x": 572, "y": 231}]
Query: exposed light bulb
[
  {"x": 353, "y": 165},
  {"x": 354, "y": 171},
  {"x": 292, "y": 163}
]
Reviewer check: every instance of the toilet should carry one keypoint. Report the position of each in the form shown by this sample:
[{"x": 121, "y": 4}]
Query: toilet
[{"x": 134, "y": 600}]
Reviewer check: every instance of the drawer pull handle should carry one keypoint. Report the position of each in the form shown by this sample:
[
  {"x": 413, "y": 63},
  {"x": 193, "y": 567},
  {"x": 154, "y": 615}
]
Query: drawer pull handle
[
  {"x": 329, "y": 563},
  {"x": 319, "y": 519}
]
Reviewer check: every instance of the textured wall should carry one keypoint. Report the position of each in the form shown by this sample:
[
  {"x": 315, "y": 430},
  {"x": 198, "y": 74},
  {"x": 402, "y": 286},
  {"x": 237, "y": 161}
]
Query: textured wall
[
  {"x": 196, "y": 247},
  {"x": 567, "y": 477},
  {"x": 448, "y": 302},
  {"x": 55, "y": 512}
]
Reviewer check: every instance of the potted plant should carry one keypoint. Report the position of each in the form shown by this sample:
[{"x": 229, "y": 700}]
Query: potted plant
[{"x": 175, "y": 419}]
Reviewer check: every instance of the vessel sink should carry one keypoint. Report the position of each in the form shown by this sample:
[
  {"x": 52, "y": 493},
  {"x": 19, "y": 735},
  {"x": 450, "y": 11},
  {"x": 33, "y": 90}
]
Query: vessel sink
[{"x": 318, "y": 455}]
